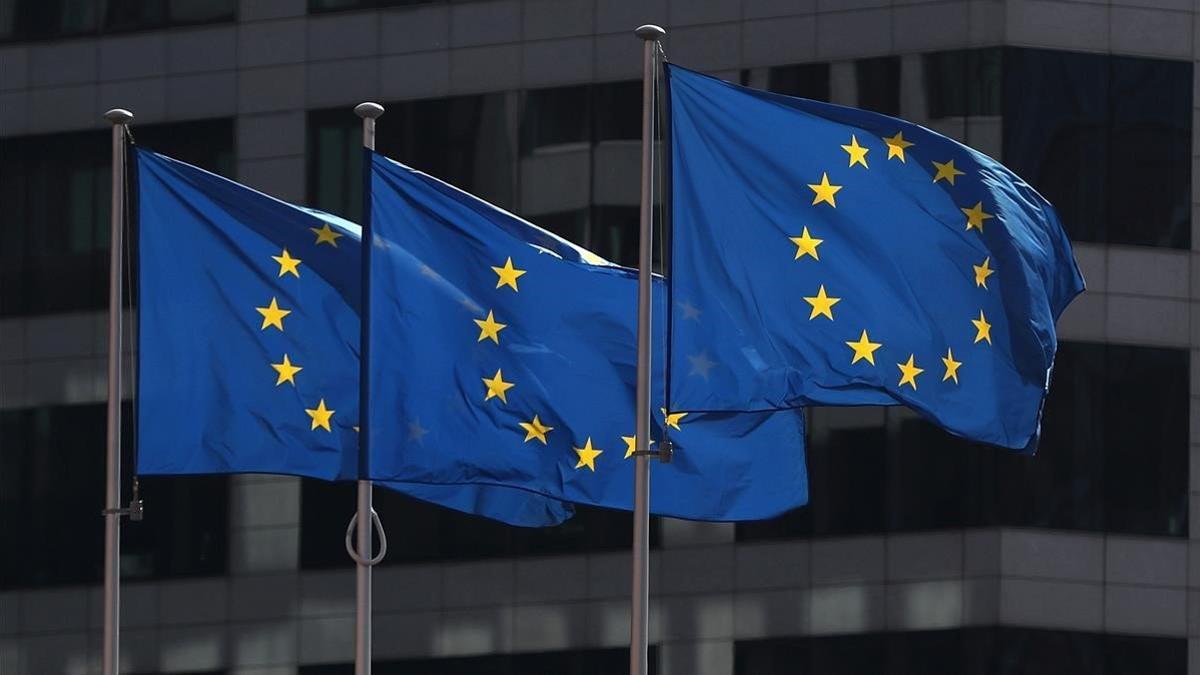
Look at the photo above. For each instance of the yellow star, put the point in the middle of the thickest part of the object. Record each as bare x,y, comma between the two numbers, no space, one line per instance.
951,366
536,429
982,272
858,154
672,419
320,416
287,264
508,275
272,315
946,171
976,216
824,191
287,371
325,235
909,372
587,455
822,305
864,349
497,387
896,145
489,328
983,327
806,245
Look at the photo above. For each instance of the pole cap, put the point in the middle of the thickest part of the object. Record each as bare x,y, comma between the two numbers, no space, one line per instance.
118,116
368,110
650,32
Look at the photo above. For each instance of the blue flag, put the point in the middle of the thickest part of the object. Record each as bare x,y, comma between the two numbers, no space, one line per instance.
501,354
828,255
248,332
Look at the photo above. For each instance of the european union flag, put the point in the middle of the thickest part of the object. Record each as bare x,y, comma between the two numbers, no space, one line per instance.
828,255
248,333
501,354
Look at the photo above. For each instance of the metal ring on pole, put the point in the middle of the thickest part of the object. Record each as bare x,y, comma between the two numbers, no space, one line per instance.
350,548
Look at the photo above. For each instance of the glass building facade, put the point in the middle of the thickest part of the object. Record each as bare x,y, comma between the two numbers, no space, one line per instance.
918,552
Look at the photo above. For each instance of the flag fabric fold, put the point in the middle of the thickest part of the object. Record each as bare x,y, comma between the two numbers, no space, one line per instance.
248,337
823,255
501,354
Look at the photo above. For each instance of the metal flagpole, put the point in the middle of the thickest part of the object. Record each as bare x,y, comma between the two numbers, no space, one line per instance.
638,627
365,517
112,499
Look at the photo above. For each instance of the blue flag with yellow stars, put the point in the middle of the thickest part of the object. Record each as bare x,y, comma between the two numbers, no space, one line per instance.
827,255
248,336
501,354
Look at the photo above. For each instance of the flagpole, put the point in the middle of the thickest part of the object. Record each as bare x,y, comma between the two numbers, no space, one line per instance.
112,499
366,517
640,600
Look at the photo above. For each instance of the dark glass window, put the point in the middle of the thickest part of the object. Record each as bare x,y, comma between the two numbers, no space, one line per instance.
433,533
877,82
972,651
52,483
578,662
1113,457
51,19
462,140
56,194
563,162
317,6
963,83
1106,139
807,80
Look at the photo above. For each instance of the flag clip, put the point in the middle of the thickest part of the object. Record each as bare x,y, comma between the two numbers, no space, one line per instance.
136,509
664,453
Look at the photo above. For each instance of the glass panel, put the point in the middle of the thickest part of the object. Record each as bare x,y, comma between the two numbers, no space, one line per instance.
135,14
576,662
808,80
202,11
433,533
972,651
553,117
1149,154
878,83
53,19
52,472
57,190
1055,126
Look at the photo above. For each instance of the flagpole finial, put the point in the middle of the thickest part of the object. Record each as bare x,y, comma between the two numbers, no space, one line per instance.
368,110
650,32
118,116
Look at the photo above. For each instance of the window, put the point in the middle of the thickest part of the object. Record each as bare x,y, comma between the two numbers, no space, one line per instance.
567,161
580,662
52,19
972,651
56,191
807,80
52,480
316,6
1105,139
433,533
462,140
1113,457
877,82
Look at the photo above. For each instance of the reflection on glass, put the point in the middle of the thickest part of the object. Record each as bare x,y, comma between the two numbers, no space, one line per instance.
970,651
433,533
51,471
56,192
1113,457
1106,139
